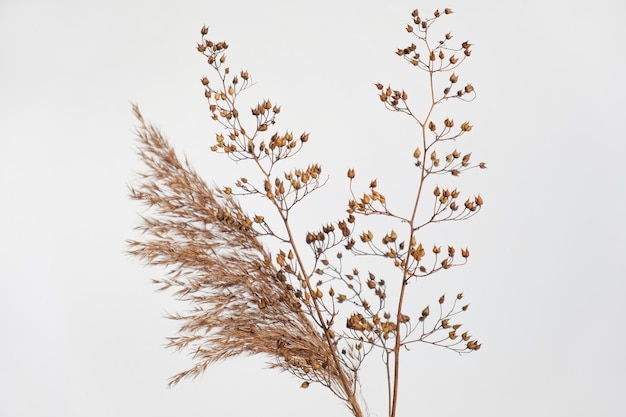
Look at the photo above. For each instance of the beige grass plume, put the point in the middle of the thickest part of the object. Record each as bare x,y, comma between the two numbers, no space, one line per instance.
216,264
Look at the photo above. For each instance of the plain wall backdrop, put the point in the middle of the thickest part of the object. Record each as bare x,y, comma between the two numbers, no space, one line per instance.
82,328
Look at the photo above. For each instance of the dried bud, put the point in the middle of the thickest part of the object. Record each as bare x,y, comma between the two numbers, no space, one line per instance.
454,78
305,384
417,153
473,345
469,88
379,86
448,10
409,28
442,299
465,253
466,127
204,30
351,173
373,183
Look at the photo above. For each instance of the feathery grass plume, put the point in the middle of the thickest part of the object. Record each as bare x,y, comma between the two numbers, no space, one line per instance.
217,264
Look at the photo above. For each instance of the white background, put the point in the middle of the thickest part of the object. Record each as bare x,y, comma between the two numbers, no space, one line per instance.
82,329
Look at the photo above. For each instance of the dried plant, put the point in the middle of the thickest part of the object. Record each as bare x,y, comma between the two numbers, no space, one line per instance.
308,313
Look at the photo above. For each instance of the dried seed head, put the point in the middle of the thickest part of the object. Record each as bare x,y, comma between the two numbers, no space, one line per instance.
466,127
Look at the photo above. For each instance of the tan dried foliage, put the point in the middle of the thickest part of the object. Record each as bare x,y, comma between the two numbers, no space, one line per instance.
320,320
216,262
